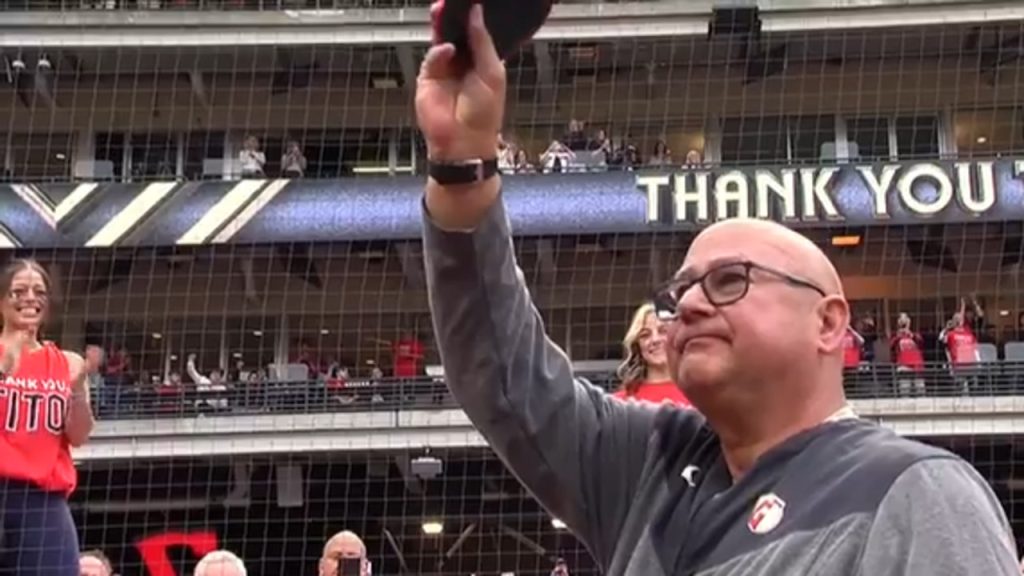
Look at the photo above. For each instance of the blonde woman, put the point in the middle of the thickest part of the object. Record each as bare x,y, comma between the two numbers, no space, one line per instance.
644,373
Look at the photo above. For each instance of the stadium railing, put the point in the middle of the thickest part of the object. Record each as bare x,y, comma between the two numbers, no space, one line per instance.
215,5
427,393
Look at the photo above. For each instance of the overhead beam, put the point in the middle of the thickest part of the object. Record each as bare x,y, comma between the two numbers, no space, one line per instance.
545,261
407,64
397,550
456,545
412,483
195,79
524,540
545,71
411,259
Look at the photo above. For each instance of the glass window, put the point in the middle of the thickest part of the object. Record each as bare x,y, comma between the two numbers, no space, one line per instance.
989,132
917,137
154,156
868,139
42,156
808,135
201,146
109,155
754,140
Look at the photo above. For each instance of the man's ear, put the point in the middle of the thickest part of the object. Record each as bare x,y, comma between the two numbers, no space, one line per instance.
833,320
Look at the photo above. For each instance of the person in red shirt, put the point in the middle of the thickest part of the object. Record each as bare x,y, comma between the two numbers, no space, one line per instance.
853,347
644,373
44,404
961,349
408,356
907,346
961,343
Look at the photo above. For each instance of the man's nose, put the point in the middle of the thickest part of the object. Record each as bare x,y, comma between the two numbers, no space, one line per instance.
693,304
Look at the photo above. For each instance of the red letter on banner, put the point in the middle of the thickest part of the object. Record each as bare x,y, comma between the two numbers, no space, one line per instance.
153,549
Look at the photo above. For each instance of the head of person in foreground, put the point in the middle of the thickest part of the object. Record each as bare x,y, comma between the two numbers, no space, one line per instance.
755,322
344,555
220,563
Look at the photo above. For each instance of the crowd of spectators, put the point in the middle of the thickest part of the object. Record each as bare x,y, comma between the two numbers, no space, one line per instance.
581,150
122,390
965,346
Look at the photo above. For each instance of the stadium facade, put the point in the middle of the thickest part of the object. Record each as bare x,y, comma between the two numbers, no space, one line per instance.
891,133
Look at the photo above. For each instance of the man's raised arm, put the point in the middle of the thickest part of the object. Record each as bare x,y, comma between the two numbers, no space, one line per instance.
577,450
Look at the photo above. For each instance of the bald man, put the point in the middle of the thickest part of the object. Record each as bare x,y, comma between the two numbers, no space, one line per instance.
775,476
344,555
220,563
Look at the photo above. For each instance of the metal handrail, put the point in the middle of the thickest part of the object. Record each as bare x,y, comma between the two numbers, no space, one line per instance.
127,401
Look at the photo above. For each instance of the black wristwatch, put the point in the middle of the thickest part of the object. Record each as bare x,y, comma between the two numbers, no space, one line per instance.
463,172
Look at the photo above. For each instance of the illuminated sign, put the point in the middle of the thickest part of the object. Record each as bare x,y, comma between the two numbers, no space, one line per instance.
817,194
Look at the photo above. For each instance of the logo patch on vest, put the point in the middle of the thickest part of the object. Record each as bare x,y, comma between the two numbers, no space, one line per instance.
767,514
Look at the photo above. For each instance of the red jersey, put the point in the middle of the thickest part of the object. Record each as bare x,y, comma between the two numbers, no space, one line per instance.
906,346
408,354
658,393
851,350
962,345
33,403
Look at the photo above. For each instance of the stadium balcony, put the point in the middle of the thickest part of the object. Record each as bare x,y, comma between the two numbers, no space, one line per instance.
871,381
207,5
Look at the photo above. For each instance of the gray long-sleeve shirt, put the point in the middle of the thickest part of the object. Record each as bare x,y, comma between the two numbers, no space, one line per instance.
646,489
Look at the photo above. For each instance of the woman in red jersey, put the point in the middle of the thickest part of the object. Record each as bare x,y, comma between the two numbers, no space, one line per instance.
44,408
644,373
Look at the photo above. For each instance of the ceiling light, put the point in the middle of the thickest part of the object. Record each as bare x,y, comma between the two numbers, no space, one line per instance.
236,355
846,240
257,333
981,140
1004,312
558,524
157,335
324,332
60,156
433,528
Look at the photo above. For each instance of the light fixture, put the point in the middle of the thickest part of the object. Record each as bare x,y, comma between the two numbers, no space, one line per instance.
157,335
371,362
257,333
60,156
558,524
1004,312
236,355
174,357
981,140
433,528
324,332
846,241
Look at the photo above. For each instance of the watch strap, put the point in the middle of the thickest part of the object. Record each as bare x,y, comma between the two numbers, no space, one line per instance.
464,172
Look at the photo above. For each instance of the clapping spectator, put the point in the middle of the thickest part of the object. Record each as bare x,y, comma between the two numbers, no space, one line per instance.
661,155
522,163
251,159
557,157
575,139
293,163
907,349
601,146
693,159
506,155
212,386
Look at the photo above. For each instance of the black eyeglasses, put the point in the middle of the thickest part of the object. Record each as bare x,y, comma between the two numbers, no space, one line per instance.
722,285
